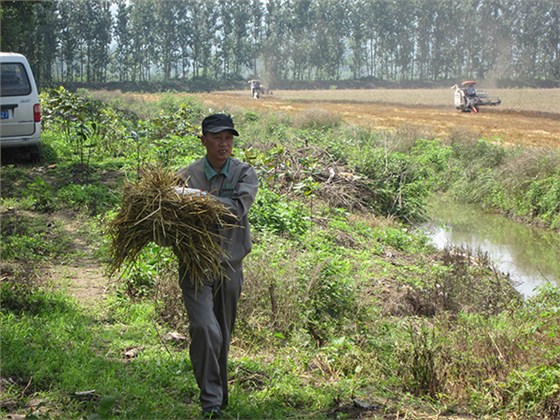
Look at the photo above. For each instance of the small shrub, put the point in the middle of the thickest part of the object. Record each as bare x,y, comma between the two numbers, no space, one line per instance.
400,188
140,278
544,196
95,198
251,116
43,195
329,298
479,153
182,122
471,283
418,361
534,392
274,213
271,293
431,159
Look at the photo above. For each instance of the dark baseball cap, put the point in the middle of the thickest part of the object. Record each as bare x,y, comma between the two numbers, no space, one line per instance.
217,123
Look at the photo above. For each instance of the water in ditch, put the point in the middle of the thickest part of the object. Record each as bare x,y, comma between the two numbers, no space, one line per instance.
530,255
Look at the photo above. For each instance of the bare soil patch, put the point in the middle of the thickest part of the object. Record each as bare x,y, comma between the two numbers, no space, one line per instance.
528,117
84,276
84,279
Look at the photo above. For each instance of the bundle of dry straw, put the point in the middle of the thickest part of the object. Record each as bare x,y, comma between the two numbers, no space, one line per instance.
152,211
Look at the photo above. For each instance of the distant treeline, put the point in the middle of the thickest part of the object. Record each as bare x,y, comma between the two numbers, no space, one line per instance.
206,43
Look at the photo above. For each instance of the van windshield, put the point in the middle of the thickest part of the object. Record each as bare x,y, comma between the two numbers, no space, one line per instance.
14,80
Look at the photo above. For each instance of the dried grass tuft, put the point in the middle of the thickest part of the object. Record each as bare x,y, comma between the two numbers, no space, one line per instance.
313,118
152,211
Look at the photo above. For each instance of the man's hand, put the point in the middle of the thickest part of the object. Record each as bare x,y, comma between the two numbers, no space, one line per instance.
190,191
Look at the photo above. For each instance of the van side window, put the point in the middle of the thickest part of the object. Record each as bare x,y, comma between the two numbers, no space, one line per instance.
14,80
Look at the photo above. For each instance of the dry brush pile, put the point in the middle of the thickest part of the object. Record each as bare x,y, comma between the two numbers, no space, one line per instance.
312,170
152,210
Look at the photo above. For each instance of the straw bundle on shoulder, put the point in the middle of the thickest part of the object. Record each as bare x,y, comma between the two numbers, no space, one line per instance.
153,211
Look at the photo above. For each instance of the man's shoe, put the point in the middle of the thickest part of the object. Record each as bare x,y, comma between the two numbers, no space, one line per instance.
211,412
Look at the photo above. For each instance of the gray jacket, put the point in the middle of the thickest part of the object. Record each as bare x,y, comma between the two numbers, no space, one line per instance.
237,191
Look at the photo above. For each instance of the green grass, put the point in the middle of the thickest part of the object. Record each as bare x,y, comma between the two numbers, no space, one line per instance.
74,360
64,351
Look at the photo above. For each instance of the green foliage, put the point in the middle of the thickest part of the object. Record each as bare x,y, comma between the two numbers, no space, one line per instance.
474,174
25,298
546,300
476,154
15,180
535,392
139,279
521,183
431,159
52,34
544,198
93,130
65,351
55,191
116,131
348,142
94,198
276,129
274,213
32,239
89,127
173,151
330,300
167,104
518,372
250,116
42,194
178,123
418,358
399,185
402,238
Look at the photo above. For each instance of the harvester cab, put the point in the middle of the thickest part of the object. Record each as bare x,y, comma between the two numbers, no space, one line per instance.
468,99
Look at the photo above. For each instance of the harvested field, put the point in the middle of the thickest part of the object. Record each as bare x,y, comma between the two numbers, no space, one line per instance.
528,117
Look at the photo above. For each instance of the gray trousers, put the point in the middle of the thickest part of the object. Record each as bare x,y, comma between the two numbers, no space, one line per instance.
212,310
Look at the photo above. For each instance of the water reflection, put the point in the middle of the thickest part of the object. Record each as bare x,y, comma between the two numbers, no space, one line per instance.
530,255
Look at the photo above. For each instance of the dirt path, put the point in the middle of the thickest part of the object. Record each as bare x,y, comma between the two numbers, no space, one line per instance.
505,125
84,277
84,280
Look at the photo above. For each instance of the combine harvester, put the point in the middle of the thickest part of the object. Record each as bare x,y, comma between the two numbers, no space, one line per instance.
258,89
468,99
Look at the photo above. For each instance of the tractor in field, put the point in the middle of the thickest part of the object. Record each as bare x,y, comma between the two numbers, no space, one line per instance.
256,88
468,99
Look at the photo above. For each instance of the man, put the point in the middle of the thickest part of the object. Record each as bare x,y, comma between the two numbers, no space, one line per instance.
212,307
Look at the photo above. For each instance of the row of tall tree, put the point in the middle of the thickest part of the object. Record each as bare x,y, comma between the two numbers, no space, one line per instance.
279,40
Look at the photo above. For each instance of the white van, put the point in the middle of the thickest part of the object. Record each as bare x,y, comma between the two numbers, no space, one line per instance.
20,113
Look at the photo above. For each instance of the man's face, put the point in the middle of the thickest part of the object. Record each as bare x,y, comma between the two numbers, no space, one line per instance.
219,147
